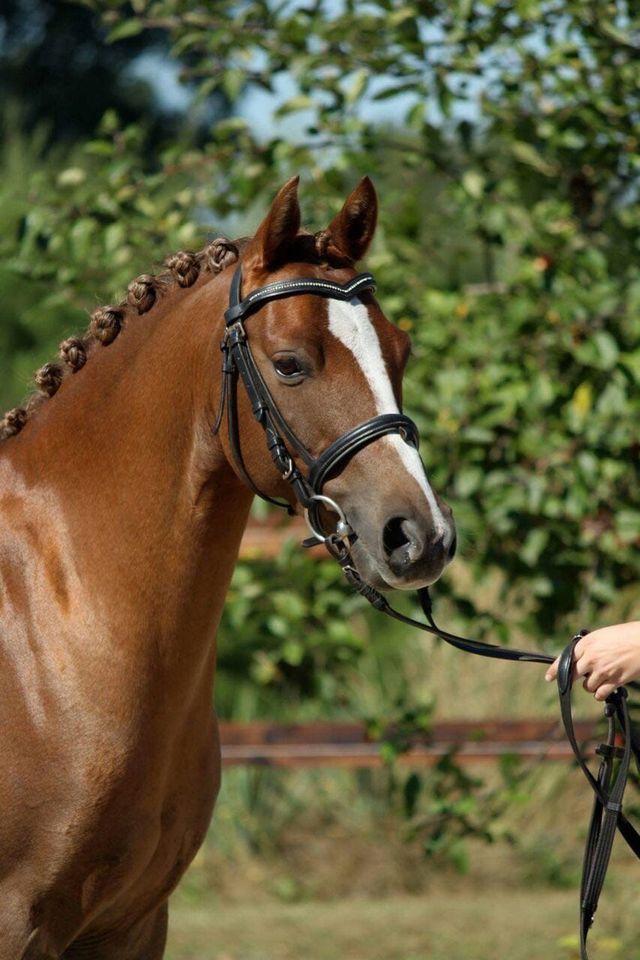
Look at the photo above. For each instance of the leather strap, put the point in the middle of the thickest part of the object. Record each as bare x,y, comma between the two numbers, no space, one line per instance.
335,456
240,309
466,644
608,787
262,401
234,442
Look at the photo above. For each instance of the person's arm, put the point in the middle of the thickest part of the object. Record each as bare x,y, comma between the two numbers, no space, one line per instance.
606,658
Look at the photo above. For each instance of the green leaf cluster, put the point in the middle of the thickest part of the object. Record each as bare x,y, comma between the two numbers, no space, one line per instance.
296,642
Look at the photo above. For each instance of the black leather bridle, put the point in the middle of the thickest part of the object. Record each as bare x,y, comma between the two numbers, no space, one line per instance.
239,362
609,783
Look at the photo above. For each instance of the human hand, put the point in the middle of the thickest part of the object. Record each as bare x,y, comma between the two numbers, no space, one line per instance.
606,658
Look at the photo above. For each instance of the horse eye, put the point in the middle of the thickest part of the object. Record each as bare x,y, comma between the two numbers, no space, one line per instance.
288,367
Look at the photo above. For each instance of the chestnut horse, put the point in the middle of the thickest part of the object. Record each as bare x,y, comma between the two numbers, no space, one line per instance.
122,514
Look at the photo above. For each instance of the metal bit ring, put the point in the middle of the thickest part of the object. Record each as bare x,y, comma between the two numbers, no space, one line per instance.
342,531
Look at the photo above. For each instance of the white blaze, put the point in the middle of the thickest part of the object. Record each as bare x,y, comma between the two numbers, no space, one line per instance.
350,323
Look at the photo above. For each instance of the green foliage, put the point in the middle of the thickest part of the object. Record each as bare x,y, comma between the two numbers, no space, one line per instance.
556,84
507,163
295,642
507,247
536,435
446,805
546,865
78,225
56,67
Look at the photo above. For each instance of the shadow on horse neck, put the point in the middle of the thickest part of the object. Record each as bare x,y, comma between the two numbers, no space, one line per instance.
122,515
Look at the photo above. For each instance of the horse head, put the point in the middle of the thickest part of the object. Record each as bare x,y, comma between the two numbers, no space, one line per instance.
324,366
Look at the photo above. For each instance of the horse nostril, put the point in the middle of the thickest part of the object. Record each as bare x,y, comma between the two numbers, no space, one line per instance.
412,544
393,535
453,547
403,541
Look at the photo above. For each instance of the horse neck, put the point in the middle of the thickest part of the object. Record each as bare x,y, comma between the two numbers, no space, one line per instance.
126,479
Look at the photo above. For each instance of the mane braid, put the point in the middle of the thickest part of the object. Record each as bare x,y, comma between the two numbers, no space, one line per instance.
106,323
183,269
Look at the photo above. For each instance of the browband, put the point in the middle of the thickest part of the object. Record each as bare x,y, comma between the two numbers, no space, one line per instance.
239,309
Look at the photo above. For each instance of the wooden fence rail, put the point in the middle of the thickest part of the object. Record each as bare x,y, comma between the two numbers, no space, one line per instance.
349,744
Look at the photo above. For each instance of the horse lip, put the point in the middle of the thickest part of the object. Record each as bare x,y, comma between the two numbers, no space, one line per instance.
381,577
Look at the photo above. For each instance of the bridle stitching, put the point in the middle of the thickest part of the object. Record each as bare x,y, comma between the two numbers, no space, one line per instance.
238,308
296,285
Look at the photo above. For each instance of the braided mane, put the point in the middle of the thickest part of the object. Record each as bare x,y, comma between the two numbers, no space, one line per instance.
183,269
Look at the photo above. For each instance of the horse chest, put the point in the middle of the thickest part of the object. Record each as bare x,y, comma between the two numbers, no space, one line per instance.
110,833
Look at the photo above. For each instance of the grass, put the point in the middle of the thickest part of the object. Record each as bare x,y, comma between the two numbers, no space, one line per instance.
457,922
348,888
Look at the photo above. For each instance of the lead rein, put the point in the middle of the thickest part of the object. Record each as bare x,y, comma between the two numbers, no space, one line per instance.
607,815
608,790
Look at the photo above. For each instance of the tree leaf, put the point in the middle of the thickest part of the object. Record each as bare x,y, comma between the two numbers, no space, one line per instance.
125,29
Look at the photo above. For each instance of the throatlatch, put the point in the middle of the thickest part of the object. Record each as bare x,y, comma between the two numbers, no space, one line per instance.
608,785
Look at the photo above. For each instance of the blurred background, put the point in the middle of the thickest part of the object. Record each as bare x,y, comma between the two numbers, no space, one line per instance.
503,139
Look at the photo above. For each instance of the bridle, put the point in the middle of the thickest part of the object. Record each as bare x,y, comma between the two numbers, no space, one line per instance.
239,362
609,783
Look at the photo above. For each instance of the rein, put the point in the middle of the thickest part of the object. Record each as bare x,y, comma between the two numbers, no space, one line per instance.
608,785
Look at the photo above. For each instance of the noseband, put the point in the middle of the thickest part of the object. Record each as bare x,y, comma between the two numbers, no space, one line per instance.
609,784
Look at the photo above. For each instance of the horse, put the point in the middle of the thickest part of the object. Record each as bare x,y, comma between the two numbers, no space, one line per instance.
121,516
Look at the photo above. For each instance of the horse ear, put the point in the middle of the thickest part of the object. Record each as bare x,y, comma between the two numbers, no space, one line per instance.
352,230
279,227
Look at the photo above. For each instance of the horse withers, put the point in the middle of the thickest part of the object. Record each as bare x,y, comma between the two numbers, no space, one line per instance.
121,516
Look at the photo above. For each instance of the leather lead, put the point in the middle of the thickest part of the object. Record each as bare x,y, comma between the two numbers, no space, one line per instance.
609,785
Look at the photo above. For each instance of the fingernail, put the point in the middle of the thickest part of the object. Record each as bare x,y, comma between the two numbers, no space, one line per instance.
547,678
